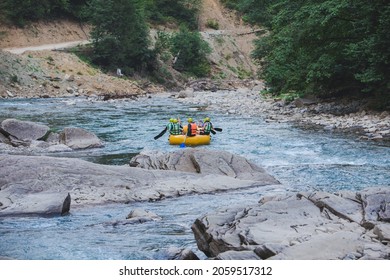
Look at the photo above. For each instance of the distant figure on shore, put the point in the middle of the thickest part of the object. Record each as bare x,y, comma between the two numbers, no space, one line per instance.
119,72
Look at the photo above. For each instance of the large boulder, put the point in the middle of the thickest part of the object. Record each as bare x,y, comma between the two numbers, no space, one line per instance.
204,161
36,137
23,177
78,138
299,226
23,130
50,203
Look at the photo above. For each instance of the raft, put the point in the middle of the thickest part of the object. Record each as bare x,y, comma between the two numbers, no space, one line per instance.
189,141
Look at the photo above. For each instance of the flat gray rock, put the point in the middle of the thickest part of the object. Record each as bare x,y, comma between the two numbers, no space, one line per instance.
203,161
38,177
315,225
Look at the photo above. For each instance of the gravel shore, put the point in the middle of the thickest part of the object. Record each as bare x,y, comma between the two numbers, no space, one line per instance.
330,116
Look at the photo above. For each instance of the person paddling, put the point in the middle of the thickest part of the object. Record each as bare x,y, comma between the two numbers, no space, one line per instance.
167,127
175,128
207,127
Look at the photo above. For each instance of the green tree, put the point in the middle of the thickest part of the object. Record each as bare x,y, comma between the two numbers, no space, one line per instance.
254,11
191,52
327,47
120,34
184,12
21,12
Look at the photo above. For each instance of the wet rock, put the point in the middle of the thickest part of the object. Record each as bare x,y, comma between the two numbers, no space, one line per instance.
141,216
66,205
23,130
78,138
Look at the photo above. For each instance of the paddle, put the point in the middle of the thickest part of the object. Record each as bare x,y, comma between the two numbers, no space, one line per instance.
213,131
161,134
183,145
218,129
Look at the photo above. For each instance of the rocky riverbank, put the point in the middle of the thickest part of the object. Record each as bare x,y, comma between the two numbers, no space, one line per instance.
330,116
37,75
313,225
294,225
286,225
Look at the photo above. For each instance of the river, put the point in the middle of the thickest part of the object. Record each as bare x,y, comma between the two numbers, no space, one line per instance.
299,159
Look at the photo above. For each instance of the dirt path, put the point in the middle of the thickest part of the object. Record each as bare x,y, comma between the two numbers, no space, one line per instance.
57,46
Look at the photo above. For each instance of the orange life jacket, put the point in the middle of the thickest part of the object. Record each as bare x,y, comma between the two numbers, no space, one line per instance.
193,128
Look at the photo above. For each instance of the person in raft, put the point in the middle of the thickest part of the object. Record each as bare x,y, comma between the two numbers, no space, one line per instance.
174,127
207,127
192,128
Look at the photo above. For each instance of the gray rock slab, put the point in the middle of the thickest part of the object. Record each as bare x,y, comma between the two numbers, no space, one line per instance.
238,255
203,161
376,204
293,226
89,183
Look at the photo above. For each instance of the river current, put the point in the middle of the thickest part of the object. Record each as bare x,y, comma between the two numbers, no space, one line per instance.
299,159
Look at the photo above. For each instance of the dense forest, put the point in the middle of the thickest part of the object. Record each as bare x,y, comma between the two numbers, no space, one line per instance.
321,47
325,47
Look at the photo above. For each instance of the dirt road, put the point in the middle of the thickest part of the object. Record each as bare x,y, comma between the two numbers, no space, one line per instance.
50,47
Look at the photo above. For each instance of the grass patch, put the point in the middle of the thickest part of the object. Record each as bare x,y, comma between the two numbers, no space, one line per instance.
213,24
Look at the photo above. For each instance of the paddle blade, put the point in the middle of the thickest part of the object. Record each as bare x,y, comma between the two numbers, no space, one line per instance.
218,129
182,145
161,134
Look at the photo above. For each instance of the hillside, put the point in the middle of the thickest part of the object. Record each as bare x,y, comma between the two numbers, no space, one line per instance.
56,73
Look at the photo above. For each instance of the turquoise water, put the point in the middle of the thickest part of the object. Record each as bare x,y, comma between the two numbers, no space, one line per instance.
297,158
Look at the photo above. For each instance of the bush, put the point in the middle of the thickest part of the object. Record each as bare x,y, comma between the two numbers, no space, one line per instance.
212,23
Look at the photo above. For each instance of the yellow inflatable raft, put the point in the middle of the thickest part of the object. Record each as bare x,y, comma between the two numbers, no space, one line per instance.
189,141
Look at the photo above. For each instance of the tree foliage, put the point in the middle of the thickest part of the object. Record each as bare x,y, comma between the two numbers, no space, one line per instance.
21,12
120,34
184,12
323,46
191,52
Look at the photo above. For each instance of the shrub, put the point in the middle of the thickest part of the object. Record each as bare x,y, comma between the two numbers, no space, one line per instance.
212,23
